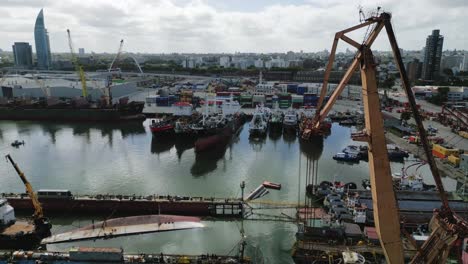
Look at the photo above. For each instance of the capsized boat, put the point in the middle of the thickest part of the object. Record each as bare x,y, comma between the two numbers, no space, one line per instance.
124,226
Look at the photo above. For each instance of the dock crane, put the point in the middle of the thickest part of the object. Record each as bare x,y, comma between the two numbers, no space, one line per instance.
41,223
446,226
117,56
78,67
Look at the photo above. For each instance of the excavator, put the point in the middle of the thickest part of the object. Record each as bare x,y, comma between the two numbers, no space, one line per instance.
42,225
446,226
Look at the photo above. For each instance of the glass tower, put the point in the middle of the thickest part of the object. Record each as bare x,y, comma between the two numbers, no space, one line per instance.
42,43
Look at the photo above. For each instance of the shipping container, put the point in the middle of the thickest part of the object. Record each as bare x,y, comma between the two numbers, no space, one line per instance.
454,160
301,90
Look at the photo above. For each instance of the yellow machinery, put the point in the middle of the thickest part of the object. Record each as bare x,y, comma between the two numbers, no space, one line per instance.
78,67
446,226
41,223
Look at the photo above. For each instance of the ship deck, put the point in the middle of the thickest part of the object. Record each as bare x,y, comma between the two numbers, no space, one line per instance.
18,227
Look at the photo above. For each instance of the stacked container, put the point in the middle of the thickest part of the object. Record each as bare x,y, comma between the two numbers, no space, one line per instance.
297,101
162,101
269,100
258,99
301,89
310,99
186,96
284,100
292,88
246,100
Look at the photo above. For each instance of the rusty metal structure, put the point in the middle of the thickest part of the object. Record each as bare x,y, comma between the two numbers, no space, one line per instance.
446,226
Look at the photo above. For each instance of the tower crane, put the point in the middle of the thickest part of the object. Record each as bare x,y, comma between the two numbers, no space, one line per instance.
78,67
446,225
41,223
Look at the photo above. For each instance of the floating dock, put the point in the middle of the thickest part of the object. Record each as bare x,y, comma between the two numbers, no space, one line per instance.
85,255
132,205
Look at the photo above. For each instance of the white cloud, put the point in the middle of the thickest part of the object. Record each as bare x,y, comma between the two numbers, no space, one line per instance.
201,26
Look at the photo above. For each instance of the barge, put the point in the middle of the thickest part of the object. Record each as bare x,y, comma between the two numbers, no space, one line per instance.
62,201
73,113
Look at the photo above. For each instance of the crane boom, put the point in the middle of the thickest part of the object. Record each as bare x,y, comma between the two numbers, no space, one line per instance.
78,67
38,213
117,56
446,226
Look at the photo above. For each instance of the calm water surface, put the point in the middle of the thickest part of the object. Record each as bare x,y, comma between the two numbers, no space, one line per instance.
126,159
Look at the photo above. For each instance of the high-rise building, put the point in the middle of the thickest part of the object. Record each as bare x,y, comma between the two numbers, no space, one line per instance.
414,69
22,52
432,56
81,51
41,37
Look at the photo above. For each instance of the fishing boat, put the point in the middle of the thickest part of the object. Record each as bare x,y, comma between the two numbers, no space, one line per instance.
276,121
341,156
164,127
290,122
259,125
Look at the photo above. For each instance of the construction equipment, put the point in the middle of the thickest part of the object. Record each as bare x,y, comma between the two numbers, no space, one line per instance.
446,226
41,223
117,56
78,67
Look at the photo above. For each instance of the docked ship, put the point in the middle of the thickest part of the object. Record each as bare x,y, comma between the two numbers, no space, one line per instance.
290,123
259,124
78,110
231,122
276,121
20,234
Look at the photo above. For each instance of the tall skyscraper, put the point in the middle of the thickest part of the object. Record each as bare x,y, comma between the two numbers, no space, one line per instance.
432,56
22,52
413,68
41,37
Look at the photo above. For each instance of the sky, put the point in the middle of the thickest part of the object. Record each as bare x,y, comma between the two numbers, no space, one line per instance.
215,26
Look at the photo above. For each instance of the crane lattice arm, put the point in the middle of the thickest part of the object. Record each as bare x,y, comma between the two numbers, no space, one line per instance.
78,67
38,213
446,226
117,56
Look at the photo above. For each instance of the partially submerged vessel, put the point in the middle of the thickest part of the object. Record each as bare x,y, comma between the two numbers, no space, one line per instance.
125,226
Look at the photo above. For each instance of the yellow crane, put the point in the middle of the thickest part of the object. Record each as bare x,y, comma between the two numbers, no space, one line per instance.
446,225
41,223
78,67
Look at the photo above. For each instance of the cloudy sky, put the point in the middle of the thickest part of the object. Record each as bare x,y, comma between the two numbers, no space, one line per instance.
158,26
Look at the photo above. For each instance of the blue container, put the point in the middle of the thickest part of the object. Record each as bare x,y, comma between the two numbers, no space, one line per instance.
301,90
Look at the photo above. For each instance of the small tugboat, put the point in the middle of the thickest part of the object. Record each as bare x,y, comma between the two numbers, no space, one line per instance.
290,123
17,143
349,157
163,127
258,126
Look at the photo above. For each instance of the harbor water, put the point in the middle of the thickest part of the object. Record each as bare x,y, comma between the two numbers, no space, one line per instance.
126,159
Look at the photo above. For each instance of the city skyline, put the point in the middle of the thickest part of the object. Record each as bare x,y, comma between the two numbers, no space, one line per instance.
186,26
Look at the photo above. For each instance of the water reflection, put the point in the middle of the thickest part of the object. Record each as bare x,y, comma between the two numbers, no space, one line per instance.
257,143
160,145
206,162
312,148
274,135
182,144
